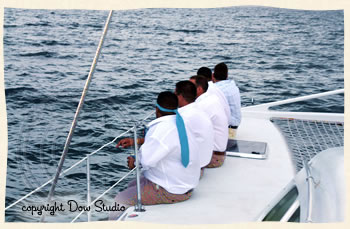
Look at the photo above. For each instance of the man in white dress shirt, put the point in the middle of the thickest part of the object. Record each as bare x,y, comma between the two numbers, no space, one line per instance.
231,92
206,72
213,89
166,179
210,104
196,120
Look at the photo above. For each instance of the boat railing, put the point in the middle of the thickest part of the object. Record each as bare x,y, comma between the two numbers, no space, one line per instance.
87,159
263,110
89,203
266,106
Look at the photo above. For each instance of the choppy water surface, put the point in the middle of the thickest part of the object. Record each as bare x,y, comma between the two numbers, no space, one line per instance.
272,54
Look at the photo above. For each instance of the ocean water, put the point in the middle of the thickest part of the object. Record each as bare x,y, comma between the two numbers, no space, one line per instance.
271,53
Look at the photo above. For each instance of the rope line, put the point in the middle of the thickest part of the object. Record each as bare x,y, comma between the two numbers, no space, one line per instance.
104,193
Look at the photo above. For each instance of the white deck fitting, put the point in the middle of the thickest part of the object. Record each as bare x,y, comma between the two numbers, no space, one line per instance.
236,192
328,189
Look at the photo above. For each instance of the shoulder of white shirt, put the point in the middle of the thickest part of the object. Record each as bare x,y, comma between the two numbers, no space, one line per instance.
166,118
228,81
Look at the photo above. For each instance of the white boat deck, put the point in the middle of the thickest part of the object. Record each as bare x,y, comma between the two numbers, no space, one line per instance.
236,192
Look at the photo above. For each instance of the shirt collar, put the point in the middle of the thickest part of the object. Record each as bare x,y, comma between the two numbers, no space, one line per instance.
226,82
161,119
202,96
186,107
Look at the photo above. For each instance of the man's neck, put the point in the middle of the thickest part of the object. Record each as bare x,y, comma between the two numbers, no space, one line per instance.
184,103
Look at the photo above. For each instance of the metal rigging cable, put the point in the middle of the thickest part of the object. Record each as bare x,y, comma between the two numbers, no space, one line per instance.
75,120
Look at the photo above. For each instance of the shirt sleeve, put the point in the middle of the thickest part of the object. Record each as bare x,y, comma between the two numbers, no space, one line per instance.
152,151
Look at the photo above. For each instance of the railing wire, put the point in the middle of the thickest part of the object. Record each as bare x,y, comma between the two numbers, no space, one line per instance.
104,193
75,164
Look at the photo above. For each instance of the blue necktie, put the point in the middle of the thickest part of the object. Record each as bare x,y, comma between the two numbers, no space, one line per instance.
181,130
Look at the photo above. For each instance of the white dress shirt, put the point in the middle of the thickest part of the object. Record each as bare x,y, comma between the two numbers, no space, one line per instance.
210,104
160,157
198,122
213,89
231,92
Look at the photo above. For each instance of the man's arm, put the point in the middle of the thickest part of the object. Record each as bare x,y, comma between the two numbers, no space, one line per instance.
153,151
127,142
131,162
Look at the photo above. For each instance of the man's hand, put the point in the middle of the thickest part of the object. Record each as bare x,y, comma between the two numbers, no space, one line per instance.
131,162
126,142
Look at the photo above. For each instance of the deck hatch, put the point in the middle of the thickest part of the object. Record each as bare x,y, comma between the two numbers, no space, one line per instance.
246,149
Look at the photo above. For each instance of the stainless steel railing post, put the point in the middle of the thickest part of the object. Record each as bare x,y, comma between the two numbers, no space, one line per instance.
138,207
88,185
309,180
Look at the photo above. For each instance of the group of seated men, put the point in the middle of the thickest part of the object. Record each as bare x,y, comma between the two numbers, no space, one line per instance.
190,133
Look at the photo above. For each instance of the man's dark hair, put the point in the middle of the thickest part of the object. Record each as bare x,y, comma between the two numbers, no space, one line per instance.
168,100
221,71
201,81
206,72
187,89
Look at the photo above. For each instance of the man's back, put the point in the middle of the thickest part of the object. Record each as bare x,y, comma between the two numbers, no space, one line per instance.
211,105
213,89
231,92
161,157
199,124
